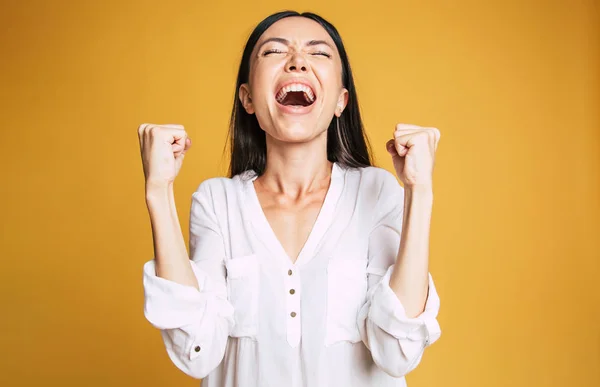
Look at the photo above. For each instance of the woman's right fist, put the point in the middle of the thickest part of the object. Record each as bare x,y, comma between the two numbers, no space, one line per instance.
163,148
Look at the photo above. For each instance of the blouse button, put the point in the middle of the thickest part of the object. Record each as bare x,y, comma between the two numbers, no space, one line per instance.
197,349
293,314
290,272
292,291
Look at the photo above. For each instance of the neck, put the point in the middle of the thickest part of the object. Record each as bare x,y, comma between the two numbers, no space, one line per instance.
296,168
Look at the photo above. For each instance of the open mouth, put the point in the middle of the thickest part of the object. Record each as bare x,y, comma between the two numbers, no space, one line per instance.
296,95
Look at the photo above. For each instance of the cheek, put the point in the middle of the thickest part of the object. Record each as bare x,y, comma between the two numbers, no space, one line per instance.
261,77
330,78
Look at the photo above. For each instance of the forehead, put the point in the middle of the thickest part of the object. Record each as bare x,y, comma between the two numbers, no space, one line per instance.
296,29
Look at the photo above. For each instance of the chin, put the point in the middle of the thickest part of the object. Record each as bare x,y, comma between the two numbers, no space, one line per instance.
294,133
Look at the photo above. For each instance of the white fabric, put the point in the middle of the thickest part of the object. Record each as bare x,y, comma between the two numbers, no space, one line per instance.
349,329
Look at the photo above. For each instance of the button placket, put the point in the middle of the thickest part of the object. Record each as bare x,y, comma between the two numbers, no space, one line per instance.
293,292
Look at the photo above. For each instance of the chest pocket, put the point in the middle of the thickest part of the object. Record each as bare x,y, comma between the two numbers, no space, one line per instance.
242,290
346,294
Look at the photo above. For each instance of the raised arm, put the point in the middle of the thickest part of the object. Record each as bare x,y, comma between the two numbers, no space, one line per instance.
186,299
163,148
413,154
399,319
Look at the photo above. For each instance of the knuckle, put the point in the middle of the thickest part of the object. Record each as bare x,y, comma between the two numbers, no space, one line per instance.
424,137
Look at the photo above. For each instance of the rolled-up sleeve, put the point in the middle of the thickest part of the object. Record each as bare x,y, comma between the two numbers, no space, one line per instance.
396,341
194,324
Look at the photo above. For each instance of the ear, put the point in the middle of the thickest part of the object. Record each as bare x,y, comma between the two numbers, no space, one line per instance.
342,102
245,98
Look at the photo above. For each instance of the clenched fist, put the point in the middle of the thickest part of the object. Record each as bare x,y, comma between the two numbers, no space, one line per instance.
413,153
163,148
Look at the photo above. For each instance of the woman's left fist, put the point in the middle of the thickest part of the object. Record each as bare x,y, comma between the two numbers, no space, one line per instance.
413,153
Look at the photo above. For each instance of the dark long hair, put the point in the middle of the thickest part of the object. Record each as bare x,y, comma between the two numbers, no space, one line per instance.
347,143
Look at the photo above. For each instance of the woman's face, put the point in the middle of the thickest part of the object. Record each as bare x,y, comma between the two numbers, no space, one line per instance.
295,83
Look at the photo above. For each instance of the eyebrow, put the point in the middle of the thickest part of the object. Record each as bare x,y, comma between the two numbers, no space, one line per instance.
287,42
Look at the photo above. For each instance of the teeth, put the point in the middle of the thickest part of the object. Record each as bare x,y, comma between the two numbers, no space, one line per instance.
295,87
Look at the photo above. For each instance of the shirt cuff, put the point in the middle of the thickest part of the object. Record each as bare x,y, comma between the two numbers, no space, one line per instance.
388,313
168,304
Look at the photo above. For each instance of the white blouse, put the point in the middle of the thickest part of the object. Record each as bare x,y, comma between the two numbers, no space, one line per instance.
329,319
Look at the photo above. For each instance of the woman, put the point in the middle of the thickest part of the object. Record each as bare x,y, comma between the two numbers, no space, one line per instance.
291,280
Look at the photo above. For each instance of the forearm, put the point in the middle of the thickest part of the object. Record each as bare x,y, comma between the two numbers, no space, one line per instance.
410,277
170,253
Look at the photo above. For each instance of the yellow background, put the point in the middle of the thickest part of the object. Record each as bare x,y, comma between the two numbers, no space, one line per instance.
514,87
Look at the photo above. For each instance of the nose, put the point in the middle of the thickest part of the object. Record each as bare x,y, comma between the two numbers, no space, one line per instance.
297,63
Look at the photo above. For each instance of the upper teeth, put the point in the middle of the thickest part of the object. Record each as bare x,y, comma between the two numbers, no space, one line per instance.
295,87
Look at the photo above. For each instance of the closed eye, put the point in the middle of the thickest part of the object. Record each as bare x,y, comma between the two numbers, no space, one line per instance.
272,51
323,53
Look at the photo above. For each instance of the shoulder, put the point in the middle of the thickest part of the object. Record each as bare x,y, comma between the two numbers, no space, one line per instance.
213,185
217,186
376,182
381,195
221,194
376,174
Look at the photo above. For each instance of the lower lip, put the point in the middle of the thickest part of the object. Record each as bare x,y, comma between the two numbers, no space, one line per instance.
298,110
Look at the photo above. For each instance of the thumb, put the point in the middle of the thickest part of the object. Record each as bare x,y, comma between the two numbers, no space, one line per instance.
394,149
391,147
181,152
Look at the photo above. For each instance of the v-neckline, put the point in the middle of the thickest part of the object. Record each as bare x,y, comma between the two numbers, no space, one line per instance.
263,228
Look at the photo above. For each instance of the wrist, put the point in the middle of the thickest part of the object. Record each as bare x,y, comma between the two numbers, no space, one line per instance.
158,192
424,190
418,200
